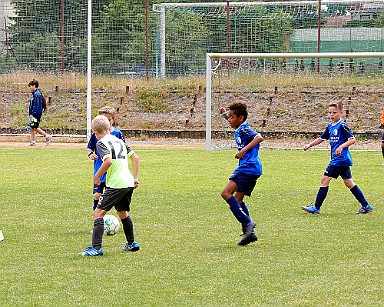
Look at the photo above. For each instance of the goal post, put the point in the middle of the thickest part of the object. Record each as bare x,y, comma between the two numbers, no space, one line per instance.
263,66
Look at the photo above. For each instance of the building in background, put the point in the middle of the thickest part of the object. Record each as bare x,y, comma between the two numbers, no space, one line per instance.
6,11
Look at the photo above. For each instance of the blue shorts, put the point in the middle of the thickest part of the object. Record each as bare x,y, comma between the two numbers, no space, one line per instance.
336,171
382,137
245,182
99,188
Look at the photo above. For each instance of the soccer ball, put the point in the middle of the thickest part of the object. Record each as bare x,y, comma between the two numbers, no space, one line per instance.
111,225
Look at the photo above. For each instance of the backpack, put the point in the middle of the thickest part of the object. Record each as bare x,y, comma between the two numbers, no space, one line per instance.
44,102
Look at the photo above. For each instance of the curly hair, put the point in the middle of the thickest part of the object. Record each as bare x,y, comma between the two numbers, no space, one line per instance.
239,107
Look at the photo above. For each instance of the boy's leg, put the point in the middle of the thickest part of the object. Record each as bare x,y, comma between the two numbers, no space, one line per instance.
96,196
97,192
320,197
127,226
131,245
359,195
240,198
247,224
245,208
33,136
97,235
98,228
47,136
323,191
41,131
355,190
123,209
234,206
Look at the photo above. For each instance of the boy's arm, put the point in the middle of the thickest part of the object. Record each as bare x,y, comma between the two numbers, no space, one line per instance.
257,140
313,143
103,169
348,143
135,168
91,148
224,112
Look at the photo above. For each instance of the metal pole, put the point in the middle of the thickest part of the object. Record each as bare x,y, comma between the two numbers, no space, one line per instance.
208,103
62,37
89,71
162,42
318,34
228,37
146,42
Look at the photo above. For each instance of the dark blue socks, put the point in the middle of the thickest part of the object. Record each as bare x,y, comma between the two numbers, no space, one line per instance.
95,202
245,208
359,196
321,195
238,211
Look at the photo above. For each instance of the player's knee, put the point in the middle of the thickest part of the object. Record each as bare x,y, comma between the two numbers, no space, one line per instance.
98,213
225,194
349,183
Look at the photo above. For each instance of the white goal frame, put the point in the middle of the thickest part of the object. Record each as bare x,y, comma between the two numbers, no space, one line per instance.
210,56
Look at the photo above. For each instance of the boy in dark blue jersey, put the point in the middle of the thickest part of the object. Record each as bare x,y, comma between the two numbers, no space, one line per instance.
340,138
35,113
93,154
243,180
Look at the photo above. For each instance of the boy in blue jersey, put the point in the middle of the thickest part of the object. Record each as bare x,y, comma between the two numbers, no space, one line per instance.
93,154
243,180
35,113
120,183
340,138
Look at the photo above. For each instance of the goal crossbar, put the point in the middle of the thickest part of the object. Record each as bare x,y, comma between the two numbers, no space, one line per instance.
300,55
210,56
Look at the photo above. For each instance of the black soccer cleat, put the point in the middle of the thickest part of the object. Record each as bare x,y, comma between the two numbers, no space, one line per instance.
249,235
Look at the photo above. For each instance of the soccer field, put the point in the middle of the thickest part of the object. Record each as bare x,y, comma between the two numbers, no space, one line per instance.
187,234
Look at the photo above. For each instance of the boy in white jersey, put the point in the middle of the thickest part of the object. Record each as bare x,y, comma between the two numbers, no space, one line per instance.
340,138
243,180
93,154
120,183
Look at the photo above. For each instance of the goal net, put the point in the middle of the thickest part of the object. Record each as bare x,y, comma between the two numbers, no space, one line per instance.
187,31
288,93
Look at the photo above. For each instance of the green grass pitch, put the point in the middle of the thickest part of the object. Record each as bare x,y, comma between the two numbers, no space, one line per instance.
188,236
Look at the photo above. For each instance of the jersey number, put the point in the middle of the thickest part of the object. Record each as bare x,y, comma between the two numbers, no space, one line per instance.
120,155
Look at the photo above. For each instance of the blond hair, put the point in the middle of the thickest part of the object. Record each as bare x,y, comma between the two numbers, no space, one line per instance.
101,124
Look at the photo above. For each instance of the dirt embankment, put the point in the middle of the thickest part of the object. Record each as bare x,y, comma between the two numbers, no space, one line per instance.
271,109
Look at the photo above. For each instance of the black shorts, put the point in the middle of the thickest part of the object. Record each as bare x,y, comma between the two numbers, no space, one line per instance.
336,171
118,198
